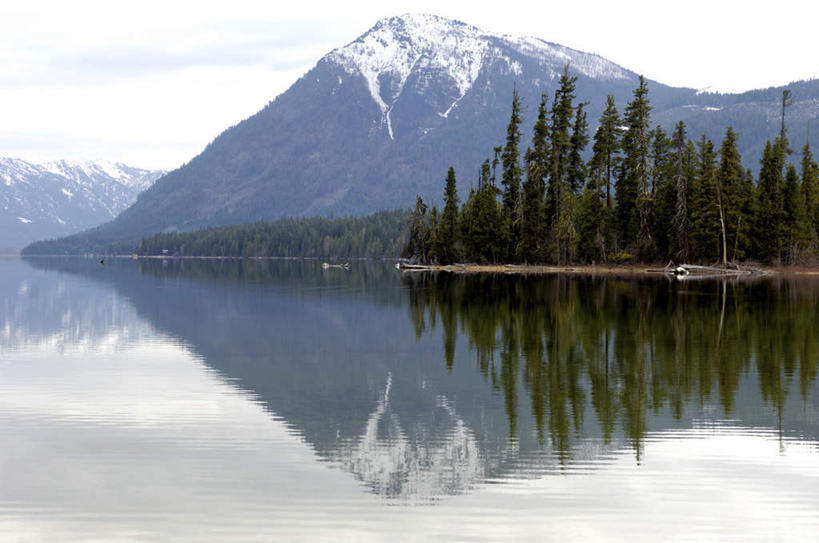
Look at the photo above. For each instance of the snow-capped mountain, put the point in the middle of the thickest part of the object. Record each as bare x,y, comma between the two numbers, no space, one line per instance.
380,120
59,198
396,48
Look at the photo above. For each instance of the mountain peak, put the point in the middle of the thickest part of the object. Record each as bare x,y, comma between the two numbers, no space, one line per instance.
396,47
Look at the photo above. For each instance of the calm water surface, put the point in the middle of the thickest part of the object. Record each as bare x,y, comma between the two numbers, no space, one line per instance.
207,400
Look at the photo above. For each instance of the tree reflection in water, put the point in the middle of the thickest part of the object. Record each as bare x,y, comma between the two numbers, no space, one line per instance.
634,346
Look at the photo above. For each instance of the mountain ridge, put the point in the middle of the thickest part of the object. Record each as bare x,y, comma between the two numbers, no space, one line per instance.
60,197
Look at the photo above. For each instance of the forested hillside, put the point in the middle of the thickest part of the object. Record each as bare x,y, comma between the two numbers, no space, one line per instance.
379,235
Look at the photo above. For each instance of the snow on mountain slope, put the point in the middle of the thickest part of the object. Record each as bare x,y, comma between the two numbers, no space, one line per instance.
398,46
61,197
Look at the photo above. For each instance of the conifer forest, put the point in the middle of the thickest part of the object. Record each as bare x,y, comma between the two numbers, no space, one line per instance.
643,196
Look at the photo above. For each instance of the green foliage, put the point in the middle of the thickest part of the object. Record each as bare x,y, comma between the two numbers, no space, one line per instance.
633,200
606,147
735,197
592,218
810,189
620,257
673,200
446,233
533,227
705,231
511,180
769,227
382,234
797,229
419,237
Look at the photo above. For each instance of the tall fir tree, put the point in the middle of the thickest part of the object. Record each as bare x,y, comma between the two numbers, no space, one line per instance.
681,161
769,228
434,231
633,197
533,232
446,238
732,198
576,173
511,179
417,247
810,190
660,145
797,230
559,197
482,221
591,222
606,147
705,231
662,188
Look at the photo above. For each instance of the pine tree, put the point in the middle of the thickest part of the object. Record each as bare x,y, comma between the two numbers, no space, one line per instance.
660,145
797,230
769,226
732,195
511,178
559,197
591,220
482,221
419,232
537,163
433,245
606,147
634,200
662,189
810,190
681,160
446,238
705,231
576,173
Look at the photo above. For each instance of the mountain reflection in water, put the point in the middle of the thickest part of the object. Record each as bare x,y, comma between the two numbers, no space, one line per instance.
424,386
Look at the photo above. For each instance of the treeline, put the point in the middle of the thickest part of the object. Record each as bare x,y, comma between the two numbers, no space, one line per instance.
374,236
644,195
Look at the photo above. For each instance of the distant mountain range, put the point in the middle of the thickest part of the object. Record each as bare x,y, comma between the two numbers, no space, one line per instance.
62,197
380,120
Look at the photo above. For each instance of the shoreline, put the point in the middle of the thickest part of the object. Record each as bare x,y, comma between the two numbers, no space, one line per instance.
598,269
520,269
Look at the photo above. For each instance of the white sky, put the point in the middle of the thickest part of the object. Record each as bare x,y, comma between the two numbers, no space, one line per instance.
150,83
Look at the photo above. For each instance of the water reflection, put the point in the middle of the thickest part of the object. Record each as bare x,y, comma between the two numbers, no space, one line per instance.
629,348
491,379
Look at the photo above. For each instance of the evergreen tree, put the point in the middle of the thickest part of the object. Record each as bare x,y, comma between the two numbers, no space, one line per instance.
797,230
660,145
705,231
446,238
591,221
580,138
680,163
434,244
537,164
511,178
482,221
732,198
633,197
419,232
810,190
606,147
662,189
769,227
559,196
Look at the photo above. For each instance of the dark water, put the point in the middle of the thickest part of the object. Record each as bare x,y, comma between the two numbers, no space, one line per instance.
224,400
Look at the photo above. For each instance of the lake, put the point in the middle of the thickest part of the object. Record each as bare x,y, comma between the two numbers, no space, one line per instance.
167,400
